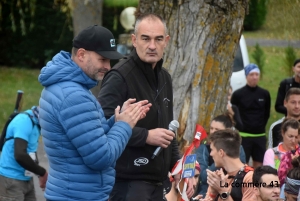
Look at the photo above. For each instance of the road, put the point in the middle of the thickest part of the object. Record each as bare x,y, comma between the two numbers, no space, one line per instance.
271,42
44,163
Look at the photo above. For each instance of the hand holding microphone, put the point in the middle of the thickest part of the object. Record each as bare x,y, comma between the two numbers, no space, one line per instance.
162,137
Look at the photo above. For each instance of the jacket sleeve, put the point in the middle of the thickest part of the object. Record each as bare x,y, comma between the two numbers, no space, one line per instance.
202,158
234,99
271,134
279,107
86,127
175,153
242,154
268,107
113,92
24,160
237,118
269,158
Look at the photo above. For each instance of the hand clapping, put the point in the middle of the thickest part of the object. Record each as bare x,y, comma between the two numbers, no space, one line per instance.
132,112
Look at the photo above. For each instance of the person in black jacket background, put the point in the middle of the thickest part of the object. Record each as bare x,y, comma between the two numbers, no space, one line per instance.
285,85
292,105
254,105
141,76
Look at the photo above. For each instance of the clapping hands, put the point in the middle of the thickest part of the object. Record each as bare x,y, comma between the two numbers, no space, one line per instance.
132,112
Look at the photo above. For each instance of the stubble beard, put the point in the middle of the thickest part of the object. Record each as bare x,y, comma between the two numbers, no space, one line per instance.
295,116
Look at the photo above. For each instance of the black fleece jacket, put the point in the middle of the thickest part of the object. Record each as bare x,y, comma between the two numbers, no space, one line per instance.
133,78
254,105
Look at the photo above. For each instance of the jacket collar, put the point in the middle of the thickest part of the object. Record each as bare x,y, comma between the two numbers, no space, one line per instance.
145,67
152,75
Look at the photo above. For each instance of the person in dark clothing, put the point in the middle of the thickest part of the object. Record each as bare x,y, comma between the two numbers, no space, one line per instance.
285,85
141,76
254,104
292,105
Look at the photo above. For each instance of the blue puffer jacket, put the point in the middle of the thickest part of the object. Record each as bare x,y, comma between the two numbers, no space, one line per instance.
81,145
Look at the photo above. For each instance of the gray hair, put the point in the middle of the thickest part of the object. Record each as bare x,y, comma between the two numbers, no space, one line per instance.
149,15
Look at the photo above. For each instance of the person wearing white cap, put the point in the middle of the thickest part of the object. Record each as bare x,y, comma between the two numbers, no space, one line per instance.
254,105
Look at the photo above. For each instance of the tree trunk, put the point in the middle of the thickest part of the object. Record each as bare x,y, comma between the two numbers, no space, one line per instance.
199,56
86,13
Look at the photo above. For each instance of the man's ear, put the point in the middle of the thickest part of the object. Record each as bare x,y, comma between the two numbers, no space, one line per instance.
80,55
222,152
133,40
284,103
167,39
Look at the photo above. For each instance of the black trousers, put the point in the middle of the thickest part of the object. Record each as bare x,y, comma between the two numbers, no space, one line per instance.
136,191
255,147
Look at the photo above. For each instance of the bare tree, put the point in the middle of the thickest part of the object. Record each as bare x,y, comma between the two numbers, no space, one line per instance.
199,57
85,13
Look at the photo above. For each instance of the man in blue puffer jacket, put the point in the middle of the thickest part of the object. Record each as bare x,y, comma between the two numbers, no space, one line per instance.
81,145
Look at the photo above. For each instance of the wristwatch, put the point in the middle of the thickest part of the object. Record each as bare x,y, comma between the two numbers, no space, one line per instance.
224,195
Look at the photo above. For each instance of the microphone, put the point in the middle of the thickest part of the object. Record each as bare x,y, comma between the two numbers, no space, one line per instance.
173,126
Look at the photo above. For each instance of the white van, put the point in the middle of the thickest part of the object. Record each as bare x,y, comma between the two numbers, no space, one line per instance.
241,59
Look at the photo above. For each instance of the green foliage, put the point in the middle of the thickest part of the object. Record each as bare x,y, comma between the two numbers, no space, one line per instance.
290,57
257,15
111,19
121,3
12,80
282,21
258,56
36,35
24,8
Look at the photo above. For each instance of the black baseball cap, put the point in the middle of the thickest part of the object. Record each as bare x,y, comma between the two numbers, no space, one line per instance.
98,39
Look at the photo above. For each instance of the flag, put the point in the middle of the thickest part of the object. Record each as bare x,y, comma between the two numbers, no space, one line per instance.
200,134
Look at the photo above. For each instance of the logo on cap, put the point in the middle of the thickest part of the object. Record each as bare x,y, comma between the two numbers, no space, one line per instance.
112,43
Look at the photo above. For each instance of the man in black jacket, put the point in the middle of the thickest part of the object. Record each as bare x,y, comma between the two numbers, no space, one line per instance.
285,85
254,105
141,76
292,105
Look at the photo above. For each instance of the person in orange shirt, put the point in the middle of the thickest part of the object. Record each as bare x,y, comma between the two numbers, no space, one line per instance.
233,182
266,175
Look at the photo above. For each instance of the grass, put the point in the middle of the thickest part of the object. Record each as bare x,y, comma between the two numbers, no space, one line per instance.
282,21
12,80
